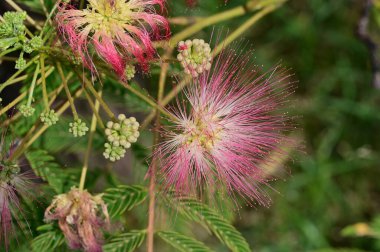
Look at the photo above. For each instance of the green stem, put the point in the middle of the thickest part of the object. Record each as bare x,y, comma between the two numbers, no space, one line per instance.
89,145
220,17
9,51
25,144
23,94
104,105
148,100
153,170
43,78
31,90
9,81
67,90
94,111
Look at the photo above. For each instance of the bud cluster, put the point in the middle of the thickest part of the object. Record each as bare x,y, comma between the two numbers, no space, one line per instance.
78,128
129,72
120,135
49,117
195,56
13,34
26,110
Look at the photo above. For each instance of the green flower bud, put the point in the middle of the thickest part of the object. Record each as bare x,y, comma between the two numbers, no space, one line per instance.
36,42
130,72
78,128
49,117
20,63
113,152
124,132
26,110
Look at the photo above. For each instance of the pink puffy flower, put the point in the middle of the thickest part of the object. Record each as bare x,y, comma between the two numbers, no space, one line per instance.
232,128
80,217
13,187
119,31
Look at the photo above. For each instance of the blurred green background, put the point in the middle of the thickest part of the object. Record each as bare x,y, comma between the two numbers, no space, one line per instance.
334,180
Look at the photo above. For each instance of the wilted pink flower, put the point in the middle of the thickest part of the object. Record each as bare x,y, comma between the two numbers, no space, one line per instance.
80,217
234,123
13,186
119,31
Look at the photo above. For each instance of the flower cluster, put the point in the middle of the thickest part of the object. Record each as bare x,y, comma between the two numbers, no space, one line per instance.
120,135
228,134
78,128
12,34
195,56
129,72
119,31
26,110
49,117
81,217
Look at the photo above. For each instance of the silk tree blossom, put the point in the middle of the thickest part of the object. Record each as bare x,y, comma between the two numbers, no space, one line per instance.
233,125
14,186
119,31
80,217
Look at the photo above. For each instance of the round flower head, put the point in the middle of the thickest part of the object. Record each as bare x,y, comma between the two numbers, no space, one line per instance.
49,117
118,30
78,128
232,127
195,56
80,217
26,110
120,136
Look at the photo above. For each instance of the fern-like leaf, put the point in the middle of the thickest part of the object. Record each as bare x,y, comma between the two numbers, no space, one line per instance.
123,198
45,167
183,243
47,242
126,242
209,218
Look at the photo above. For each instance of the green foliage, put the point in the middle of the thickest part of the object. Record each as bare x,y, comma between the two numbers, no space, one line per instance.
48,241
125,242
44,166
182,242
123,198
210,219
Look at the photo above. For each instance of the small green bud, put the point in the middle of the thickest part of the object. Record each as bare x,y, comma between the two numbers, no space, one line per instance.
49,117
26,110
113,152
78,128
36,42
195,56
129,72
27,48
15,21
20,62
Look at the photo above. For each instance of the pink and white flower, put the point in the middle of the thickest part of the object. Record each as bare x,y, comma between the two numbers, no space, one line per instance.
14,186
233,126
81,218
120,31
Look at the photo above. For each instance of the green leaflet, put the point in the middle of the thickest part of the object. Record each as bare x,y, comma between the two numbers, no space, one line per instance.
5,43
209,218
182,242
47,242
45,167
125,242
123,198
